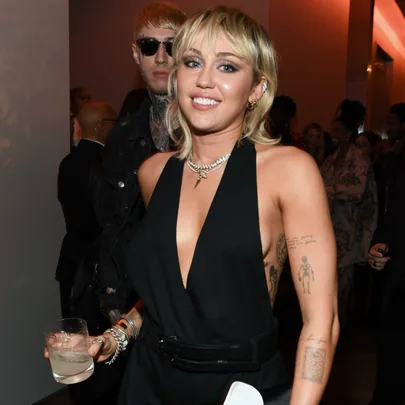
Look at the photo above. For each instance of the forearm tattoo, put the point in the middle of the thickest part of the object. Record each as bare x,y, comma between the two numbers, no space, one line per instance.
306,275
281,250
315,339
314,364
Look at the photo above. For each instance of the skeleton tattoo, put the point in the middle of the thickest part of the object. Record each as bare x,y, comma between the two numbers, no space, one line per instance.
305,275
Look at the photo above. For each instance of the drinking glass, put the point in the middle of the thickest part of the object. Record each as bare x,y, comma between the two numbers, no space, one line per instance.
68,343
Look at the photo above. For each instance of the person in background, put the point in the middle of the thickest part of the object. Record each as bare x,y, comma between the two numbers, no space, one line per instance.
352,194
353,110
374,139
78,181
96,120
385,256
133,140
319,143
78,97
282,113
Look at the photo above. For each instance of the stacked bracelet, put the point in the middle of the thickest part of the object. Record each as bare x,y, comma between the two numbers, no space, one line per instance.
121,340
131,324
122,331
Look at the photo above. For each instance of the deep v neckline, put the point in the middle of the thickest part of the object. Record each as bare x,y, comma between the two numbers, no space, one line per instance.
206,221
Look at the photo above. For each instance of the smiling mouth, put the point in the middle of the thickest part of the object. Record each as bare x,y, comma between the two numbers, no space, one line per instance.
205,101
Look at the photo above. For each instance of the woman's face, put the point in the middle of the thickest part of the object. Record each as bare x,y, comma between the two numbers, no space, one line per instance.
213,86
339,134
313,137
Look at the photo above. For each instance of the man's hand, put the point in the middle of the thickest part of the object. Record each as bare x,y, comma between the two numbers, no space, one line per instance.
376,258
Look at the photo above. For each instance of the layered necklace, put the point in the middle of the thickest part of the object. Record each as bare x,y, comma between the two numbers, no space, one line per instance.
203,170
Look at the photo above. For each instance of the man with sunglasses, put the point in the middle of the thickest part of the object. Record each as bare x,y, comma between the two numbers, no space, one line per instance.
148,46
134,140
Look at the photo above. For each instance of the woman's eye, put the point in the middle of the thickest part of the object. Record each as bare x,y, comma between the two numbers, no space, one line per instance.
191,63
228,68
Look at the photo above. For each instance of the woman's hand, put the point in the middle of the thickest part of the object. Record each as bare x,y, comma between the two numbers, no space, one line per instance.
102,347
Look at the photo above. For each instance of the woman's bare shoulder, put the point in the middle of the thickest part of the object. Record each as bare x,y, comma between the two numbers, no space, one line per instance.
150,171
289,172
283,157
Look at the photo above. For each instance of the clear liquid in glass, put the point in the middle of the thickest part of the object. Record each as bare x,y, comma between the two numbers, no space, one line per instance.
71,367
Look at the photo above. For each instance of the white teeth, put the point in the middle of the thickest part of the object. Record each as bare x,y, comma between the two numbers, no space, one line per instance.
205,101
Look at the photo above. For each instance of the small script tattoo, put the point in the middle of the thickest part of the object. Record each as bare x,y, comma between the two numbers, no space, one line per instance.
298,241
281,250
314,364
316,340
306,275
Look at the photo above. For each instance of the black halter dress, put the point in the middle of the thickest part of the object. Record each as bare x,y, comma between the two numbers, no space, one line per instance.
225,305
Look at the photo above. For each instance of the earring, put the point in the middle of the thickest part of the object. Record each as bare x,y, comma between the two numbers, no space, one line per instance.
264,87
251,105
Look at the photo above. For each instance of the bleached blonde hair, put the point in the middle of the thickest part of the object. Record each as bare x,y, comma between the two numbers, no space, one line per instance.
159,15
251,42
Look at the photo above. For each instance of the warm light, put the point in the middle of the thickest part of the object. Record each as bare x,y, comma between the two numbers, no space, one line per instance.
369,69
388,31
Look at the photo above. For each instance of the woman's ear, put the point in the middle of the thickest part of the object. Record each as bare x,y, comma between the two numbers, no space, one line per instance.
258,90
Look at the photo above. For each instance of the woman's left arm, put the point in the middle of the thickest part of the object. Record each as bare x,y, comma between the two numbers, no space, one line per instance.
312,253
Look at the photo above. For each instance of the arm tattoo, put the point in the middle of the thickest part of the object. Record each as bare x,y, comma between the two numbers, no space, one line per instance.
314,364
298,241
312,338
273,281
281,250
305,275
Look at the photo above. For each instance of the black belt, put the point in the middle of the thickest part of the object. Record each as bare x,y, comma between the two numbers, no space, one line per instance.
238,357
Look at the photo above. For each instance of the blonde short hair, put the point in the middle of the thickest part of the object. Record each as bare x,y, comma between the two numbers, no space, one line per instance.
252,43
159,15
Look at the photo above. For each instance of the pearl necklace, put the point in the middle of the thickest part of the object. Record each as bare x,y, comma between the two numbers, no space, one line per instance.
204,170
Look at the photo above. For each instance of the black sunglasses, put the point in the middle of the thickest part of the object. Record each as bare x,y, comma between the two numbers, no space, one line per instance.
149,46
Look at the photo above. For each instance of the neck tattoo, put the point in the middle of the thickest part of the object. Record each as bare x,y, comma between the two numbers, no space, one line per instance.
158,129
203,170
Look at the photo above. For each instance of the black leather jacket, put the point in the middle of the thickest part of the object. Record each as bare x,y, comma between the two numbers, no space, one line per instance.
120,207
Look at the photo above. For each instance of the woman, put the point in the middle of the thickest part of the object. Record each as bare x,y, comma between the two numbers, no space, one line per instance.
207,258
318,142
352,194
